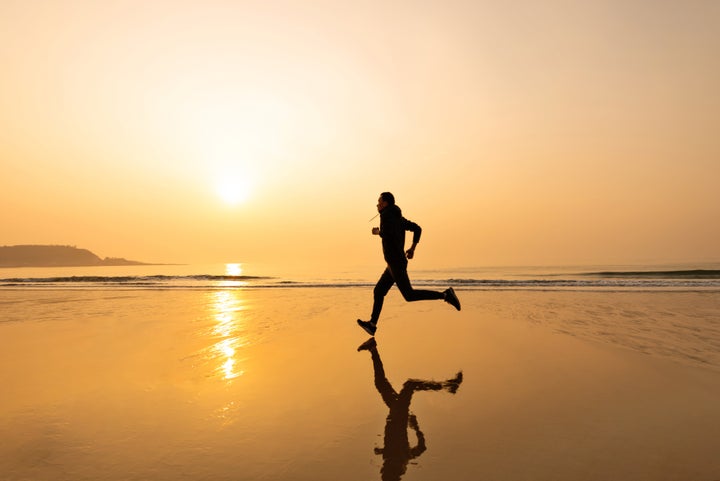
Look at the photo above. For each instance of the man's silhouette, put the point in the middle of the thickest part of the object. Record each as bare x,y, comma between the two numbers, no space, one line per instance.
397,451
392,231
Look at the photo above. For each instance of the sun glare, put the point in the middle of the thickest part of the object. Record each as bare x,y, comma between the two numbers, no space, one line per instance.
233,269
232,191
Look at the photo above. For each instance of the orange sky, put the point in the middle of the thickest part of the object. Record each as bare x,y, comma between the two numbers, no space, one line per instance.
513,132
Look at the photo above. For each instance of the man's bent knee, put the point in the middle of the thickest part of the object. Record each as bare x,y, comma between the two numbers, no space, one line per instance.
408,294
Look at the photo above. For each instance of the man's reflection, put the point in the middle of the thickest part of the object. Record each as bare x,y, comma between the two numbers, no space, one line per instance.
397,451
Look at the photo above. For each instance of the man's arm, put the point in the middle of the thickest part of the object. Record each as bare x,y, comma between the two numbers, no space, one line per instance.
410,253
420,448
417,231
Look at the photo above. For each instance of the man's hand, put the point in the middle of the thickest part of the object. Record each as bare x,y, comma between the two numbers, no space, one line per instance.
376,231
410,253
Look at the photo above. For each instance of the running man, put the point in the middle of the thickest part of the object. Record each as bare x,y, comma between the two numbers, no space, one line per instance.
392,231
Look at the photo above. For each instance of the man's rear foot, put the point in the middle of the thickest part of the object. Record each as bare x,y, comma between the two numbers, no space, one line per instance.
452,385
369,326
451,298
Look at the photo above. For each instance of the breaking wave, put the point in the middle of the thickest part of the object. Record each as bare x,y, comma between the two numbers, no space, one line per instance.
679,279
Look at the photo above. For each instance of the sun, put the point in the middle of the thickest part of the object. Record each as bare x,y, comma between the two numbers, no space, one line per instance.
232,190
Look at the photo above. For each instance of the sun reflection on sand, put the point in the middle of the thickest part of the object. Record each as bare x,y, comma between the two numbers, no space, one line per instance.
227,308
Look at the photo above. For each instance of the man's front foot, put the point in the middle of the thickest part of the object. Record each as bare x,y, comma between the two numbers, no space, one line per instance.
369,326
451,298
368,345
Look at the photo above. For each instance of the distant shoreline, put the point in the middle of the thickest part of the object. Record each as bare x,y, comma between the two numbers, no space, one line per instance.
139,264
59,256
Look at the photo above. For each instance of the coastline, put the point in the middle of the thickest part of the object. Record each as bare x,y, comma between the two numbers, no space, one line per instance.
44,256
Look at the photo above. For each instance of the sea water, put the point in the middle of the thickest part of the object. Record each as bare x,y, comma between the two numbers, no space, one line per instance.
676,276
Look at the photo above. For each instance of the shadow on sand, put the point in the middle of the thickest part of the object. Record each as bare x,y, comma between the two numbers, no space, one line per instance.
397,452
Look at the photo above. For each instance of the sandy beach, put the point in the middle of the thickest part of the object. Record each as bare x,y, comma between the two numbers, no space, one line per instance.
268,384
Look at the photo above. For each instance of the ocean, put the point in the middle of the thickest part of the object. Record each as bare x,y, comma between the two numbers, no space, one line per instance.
225,276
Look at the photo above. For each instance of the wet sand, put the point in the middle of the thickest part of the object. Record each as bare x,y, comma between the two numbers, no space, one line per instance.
270,385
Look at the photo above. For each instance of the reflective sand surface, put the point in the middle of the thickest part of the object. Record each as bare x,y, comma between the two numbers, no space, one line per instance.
269,384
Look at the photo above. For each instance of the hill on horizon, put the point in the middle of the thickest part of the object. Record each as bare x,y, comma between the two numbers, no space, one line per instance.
56,256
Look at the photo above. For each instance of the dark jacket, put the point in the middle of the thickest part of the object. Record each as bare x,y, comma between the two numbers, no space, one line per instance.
392,230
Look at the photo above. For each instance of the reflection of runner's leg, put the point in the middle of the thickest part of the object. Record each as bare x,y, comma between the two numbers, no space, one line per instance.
453,384
381,382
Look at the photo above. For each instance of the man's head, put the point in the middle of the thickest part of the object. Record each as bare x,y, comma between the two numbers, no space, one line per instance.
386,199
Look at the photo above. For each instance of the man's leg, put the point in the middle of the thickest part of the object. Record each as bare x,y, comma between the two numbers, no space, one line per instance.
399,273
381,289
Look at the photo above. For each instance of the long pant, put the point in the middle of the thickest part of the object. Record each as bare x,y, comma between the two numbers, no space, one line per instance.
397,274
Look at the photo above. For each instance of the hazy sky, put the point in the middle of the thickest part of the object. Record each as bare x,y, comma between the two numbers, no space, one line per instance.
513,132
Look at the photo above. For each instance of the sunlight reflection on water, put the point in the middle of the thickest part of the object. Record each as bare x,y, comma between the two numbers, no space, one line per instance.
227,308
233,270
